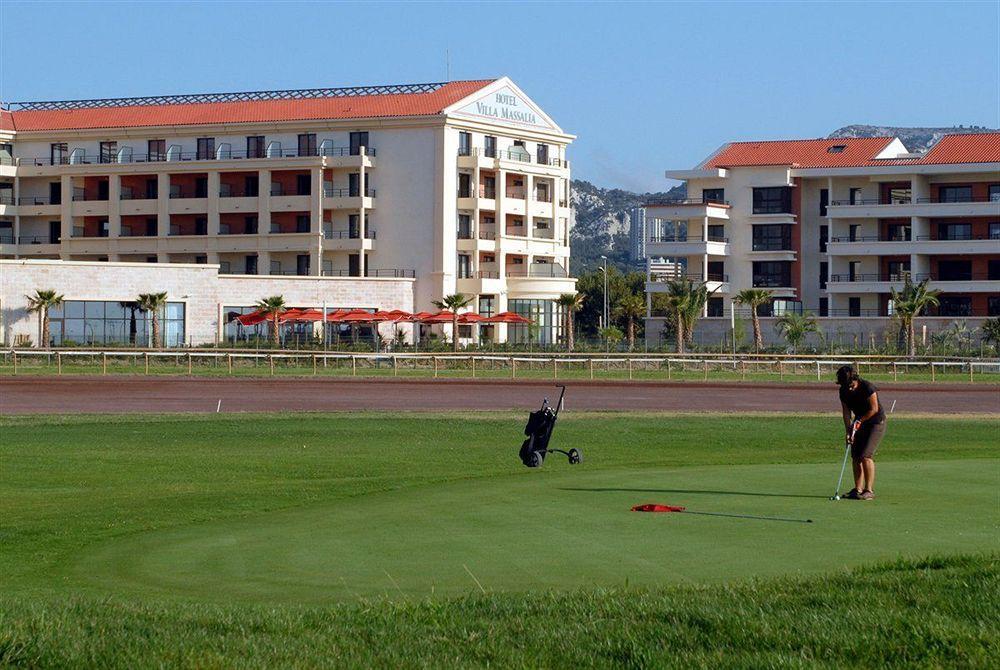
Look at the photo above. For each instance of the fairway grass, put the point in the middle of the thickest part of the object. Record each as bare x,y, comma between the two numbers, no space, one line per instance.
419,539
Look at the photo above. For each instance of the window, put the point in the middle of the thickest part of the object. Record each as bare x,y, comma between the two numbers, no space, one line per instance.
852,270
897,232
994,192
354,226
993,270
772,238
302,265
955,194
772,273
543,154
489,189
896,269
490,146
855,196
824,201
152,189
548,321
358,140
275,268
250,225
151,227
112,322
954,270
303,184
716,271
58,153
307,144
464,227
201,260
108,151
713,195
995,231
302,223
715,307
824,270
486,305
255,146
824,307
836,149
201,187
900,196
824,235
772,200
464,185
464,144
354,184
206,148
955,305
717,233
251,186
993,305
251,264
954,231
464,266
854,306
852,232
156,150
201,226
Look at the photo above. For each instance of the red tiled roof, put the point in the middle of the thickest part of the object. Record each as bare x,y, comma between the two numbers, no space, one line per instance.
400,104
6,120
970,148
800,153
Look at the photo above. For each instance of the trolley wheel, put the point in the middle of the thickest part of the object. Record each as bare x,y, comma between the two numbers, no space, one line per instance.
534,460
575,456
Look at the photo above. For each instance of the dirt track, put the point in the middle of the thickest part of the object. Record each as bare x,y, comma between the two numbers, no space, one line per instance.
26,395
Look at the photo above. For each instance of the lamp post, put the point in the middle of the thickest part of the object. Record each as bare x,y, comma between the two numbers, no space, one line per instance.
604,269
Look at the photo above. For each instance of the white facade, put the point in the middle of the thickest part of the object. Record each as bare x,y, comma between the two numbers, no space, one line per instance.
473,198
637,235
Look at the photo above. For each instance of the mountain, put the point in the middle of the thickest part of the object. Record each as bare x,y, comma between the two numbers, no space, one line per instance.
917,140
601,222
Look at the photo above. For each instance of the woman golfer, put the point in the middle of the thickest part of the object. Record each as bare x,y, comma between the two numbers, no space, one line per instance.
864,432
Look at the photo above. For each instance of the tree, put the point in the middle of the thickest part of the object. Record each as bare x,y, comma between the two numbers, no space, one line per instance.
42,301
991,332
754,298
571,303
631,308
153,303
793,327
685,300
273,307
612,335
453,303
908,304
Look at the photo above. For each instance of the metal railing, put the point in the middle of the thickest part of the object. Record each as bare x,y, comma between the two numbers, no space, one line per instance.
488,193
768,281
330,192
391,273
519,156
35,239
516,192
136,196
665,201
552,270
936,200
684,238
175,156
663,277
7,198
487,234
6,238
185,193
486,274
35,200
348,234
138,232
89,197
918,277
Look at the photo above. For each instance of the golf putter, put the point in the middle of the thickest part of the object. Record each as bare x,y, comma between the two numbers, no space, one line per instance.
843,466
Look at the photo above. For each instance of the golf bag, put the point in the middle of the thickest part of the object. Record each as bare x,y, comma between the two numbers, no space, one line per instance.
539,432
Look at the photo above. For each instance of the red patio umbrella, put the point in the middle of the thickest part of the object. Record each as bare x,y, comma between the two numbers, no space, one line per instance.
444,316
421,317
470,318
398,315
252,318
508,317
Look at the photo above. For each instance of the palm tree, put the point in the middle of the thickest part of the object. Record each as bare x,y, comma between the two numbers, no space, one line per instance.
630,308
453,303
42,302
686,300
794,327
273,307
908,304
754,298
153,303
571,302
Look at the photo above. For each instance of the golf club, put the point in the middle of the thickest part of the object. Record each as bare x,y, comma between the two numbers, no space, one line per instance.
843,466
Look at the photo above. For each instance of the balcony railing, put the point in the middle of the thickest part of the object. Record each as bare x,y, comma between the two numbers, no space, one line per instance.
89,197
136,196
35,239
516,192
7,198
390,273
6,238
684,238
937,200
543,197
487,192
330,192
486,274
487,234
537,270
519,156
140,232
917,277
348,234
183,193
666,201
238,193
771,281
695,277
173,156
771,246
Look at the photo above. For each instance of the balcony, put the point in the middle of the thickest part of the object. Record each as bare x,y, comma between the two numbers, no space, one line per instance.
682,209
347,198
660,282
922,244
522,159
173,155
383,273
515,192
547,270
906,207
969,282
668,246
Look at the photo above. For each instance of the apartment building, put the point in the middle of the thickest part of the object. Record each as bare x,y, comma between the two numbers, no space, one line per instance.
832,225
637,236
458,187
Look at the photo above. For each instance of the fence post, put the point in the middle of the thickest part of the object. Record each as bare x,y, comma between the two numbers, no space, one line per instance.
395,365
932,370
970,372
473,358
669,371
270,360
591,368
743,369
513,367
630,369
189,363
817,371
894,374
354,366
706,369
14,357
314,365
104,363
555,375
58,362
781,369
146,361
229,362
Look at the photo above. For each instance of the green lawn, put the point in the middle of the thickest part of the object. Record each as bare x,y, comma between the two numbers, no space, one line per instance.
420,540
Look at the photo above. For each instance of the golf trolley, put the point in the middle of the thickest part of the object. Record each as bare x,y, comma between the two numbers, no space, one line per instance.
539,432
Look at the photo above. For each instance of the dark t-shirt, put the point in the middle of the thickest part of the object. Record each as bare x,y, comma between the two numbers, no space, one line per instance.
857,400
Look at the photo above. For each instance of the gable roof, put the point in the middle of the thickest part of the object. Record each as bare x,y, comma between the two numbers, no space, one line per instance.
49,116
799,153
968,148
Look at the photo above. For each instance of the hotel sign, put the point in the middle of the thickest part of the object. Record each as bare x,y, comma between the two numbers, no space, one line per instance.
505,105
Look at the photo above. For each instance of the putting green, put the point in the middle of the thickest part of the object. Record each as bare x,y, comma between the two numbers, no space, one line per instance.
559,527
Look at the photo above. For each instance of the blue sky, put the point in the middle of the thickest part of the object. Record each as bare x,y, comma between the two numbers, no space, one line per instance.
645,86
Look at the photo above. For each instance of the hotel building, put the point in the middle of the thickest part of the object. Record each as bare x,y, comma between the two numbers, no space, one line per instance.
458,187
830,226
